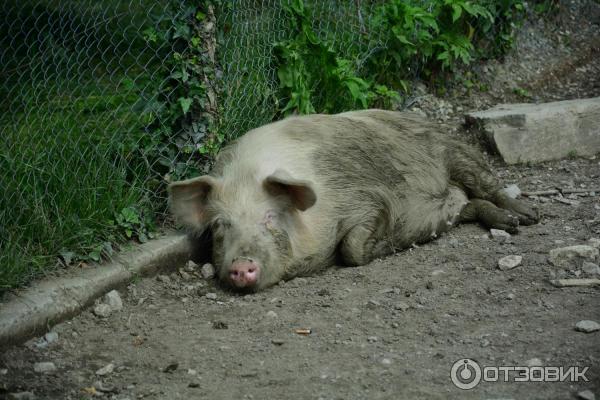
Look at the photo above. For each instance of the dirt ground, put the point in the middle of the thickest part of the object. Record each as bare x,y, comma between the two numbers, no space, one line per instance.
392,329
388,330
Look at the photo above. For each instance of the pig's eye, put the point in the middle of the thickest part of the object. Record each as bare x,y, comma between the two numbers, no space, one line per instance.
221,223
270,216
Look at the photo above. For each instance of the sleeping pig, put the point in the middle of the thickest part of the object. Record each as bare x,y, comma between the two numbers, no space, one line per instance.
293,197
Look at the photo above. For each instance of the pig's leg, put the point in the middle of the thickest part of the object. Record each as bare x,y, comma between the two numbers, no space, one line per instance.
363,243
469,171
478,210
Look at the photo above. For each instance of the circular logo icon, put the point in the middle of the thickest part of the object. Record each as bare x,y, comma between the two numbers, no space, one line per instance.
465,374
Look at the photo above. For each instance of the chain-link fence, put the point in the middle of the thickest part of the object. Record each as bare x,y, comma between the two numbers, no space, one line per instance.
251,29
77,158
73,74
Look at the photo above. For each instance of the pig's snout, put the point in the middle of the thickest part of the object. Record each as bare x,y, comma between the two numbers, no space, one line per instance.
244,273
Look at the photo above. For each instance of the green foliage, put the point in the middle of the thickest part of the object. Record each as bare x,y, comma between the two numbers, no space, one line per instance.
439,35
311,74
182,133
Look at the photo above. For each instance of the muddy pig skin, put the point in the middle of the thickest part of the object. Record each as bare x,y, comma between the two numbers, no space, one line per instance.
293,197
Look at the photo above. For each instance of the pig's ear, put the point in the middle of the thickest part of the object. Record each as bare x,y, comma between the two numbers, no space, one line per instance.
189,199
300,193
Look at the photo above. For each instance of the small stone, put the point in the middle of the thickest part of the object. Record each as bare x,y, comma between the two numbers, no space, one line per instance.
3,371
271,314
163,278
211,296
207,271
51,337
300,281
107,369
509,262
194,384
594,242
277,342
485,343
102,310
565,256
184,275
171,367
43,367
586,395
192,372
190,266
590,268
372,339
21,396
587,326
500,235
220,325
510,296
113,300
534,362
402,306
104,388
513,191
386,361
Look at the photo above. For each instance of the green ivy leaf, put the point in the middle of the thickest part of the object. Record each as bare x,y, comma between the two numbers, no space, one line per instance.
185,103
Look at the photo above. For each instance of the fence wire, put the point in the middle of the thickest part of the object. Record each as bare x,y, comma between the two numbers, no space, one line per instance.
75,75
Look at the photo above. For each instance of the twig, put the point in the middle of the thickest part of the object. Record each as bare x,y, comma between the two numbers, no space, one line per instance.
551,192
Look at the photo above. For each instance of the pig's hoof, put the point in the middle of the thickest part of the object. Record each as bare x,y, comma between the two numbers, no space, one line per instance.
499,218
527,215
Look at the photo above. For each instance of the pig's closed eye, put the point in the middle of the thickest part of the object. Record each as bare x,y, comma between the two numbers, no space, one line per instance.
221,223
270,216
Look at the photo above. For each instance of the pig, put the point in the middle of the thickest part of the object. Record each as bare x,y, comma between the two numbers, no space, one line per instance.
299,195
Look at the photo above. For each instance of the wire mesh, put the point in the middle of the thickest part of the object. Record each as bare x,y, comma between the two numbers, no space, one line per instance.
76,78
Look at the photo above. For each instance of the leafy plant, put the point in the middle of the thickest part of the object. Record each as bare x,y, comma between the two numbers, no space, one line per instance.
313,77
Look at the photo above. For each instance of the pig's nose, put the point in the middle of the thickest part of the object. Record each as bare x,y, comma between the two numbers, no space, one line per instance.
244,273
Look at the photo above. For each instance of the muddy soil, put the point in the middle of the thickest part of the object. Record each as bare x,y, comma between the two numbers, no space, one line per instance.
388,330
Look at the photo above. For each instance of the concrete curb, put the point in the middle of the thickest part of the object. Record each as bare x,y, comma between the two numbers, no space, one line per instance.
51,301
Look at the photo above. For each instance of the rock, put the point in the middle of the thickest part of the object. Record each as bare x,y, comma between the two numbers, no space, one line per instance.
211,296
512,191
163,278
500,235
587,326
272,314
534,362
43,367
102,310
3,371
51,337
594,242
207,271
277,342
586,395
572,256
190,266
402,306
107,369
509,262
590,268
539,132
510,296
113,300
372,339
386,361
21,396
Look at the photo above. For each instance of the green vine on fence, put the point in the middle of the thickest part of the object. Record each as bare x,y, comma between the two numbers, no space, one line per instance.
313,77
